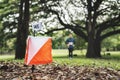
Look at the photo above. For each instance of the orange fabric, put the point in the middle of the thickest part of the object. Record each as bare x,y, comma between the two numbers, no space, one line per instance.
43,56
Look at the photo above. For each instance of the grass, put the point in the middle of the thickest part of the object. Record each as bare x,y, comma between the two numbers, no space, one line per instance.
6,57
61,57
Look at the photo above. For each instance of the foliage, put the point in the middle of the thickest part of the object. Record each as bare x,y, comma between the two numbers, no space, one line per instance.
65,14
8,22
92,20
59,38
112,43
80,43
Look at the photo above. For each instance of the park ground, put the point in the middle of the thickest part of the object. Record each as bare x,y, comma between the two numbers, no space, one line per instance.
79,67
60,56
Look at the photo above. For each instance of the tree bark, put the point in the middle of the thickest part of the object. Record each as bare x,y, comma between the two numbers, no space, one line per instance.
90,31
94,48
18,42
90,49
23,26
97,47
91,53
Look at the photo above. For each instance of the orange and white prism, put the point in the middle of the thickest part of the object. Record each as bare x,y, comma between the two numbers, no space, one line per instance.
38,50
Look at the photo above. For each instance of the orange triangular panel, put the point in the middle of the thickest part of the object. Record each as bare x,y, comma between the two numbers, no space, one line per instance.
44,55
38,51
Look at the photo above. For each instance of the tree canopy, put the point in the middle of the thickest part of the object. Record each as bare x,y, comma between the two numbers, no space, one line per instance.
92,20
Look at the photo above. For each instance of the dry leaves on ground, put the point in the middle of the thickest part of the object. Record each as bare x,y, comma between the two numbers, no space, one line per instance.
19,71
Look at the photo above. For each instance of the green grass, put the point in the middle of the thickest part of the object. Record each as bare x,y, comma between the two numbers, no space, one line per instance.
61,57
6,57
10,58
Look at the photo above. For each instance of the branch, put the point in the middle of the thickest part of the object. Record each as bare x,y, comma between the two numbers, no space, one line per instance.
60,20
100,12
110,34
89,6
95,8
110,23
83,2
54,30
80,33
97,4
79,30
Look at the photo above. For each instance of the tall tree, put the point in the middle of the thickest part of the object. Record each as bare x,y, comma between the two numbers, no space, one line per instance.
93,20
23,28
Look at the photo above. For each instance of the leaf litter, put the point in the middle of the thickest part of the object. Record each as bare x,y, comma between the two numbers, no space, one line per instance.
54,71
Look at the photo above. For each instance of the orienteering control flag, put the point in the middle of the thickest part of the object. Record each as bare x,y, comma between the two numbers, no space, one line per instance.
38,50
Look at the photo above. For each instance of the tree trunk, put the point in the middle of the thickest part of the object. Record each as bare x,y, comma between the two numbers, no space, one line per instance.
94,48
97,47
90,49
22,32
19,31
